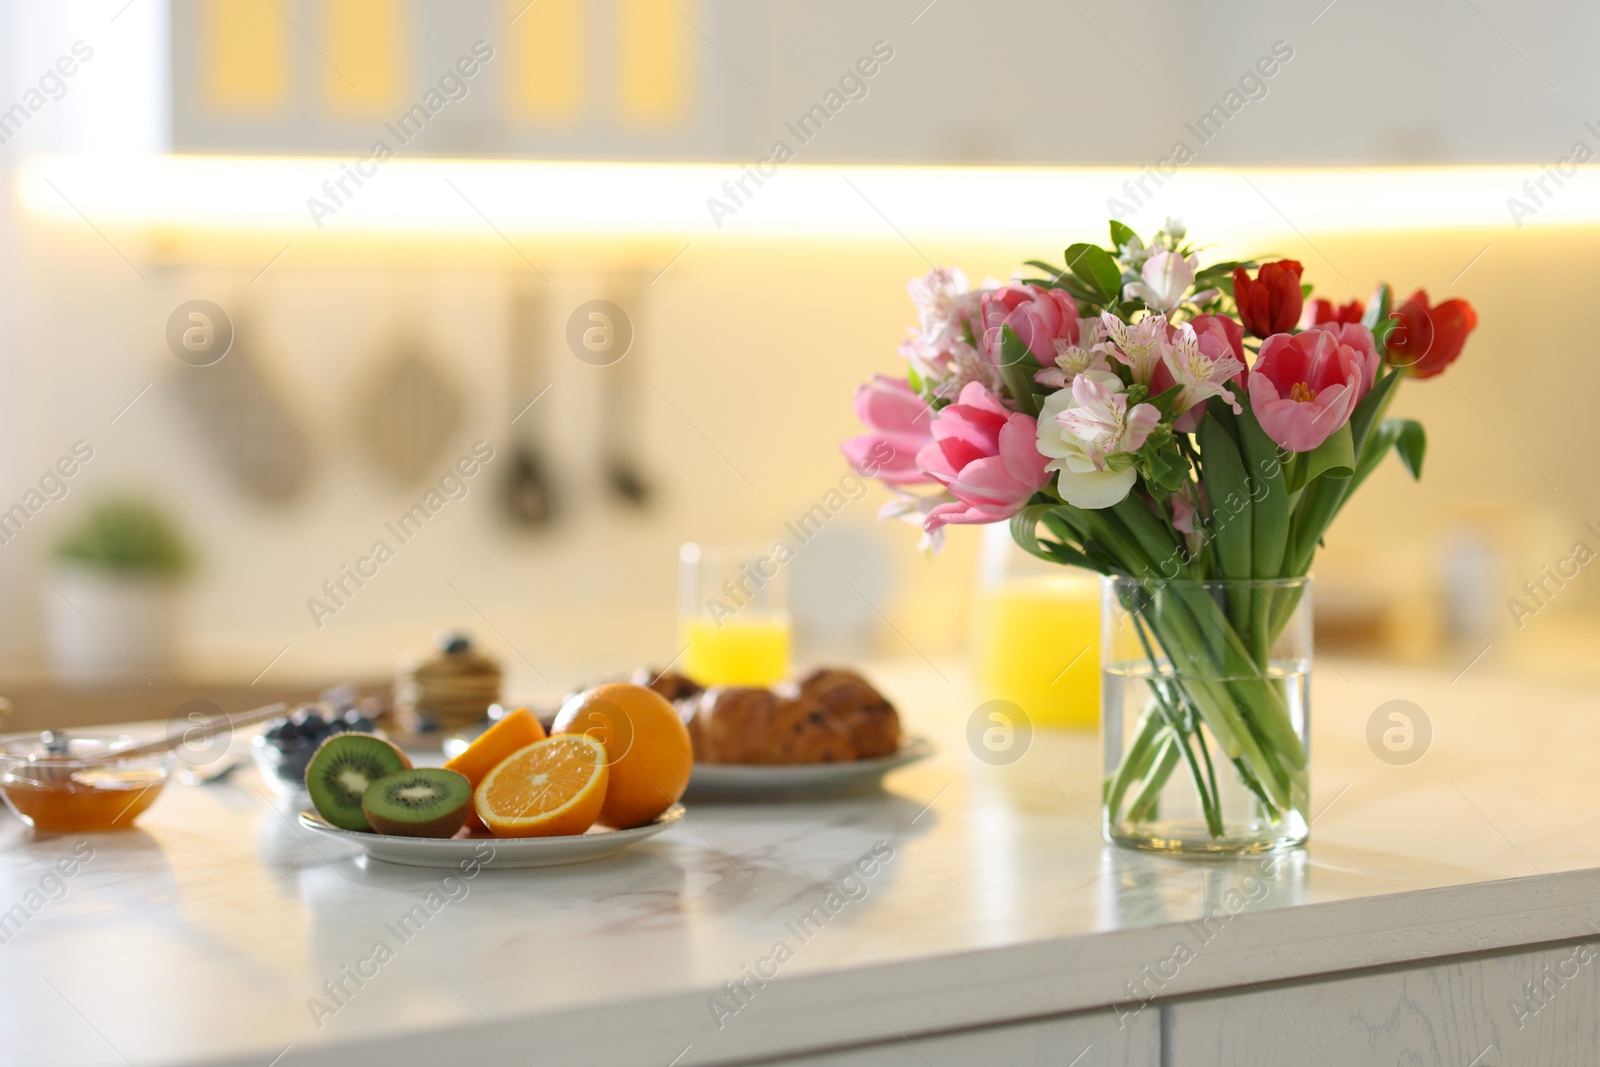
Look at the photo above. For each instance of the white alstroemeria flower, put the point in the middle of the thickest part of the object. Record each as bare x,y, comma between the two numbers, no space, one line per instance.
1203,370
932,366
1087,355
1141,346
969,365
1134,253
942,301
913,508
1087,478
1167,277
1175,229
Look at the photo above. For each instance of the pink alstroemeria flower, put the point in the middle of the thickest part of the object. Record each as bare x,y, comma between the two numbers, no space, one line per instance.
1087,355
1100,419
1166,278
1086,432
1141,346
985,455
1202,365
1039,317
1304,387
899,423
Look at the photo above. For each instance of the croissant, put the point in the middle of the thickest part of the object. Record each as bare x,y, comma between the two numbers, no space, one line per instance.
867,717
741,725
668,683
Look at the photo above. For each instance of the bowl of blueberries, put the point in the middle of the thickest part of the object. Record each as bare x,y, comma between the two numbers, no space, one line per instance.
282,751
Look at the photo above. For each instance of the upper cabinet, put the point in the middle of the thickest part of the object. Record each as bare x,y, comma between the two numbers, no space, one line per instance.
939,81
547,78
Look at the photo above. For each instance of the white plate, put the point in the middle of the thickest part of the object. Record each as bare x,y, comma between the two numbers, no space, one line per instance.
774,779
453,852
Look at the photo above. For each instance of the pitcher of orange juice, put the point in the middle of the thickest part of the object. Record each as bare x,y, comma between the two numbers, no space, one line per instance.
733,613
1036,634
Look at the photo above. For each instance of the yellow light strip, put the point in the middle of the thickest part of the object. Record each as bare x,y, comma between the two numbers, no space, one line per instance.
644,200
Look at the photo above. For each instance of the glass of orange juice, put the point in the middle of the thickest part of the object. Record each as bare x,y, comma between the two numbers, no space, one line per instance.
1036,636
733,613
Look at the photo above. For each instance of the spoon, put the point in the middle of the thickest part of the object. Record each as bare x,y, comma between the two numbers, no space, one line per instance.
57,745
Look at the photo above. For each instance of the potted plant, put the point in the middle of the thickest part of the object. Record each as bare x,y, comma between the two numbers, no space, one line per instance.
110,606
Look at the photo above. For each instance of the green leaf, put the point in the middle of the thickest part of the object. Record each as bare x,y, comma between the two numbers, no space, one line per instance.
1381,332
1051,269
1405,436
1269,511
1152,536
1163,400
1122,235
1305,290
1162,464
1025,532
1371,408
1017,367
1222,269
1411,445
1227,497
1095,267
1335,457
1378,310
1379,442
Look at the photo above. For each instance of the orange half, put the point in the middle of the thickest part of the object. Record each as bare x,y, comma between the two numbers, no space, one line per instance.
550,788
513,732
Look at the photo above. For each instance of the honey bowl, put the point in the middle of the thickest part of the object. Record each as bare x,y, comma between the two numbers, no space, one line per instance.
78,784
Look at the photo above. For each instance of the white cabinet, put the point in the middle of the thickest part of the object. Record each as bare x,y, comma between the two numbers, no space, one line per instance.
1538,1009
1092,1039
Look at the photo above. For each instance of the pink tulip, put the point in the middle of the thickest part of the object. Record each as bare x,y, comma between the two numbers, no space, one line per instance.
1040,318
986,456
1304,386
1359,340
899,420
1228,329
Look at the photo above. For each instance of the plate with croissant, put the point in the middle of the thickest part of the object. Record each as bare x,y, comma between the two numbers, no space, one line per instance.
828,730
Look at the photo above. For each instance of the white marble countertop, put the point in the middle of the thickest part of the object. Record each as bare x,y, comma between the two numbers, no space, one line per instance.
204,935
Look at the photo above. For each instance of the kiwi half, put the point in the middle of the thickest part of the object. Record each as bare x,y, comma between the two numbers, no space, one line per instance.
424,802
341,770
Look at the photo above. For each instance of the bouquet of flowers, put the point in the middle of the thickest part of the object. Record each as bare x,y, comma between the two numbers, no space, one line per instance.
1136,413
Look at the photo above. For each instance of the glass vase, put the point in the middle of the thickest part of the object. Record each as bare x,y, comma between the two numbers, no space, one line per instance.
1205,714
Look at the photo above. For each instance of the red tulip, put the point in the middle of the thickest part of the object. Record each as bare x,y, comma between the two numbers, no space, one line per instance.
1320,312
1270,303
1428,339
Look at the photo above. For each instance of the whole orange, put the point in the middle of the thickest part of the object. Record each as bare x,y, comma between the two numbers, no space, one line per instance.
647,749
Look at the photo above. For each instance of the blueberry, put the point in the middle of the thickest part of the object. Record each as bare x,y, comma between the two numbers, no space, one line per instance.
357,721
454,644
311,725
279,731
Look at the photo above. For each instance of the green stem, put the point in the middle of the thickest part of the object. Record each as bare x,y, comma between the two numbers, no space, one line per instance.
1136,763
1144,805
1210,802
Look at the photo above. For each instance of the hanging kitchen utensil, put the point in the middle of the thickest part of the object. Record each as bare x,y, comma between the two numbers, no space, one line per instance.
244,424
408,412
619,401
528,493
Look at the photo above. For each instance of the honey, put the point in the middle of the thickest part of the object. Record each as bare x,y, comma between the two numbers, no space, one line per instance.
86,800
